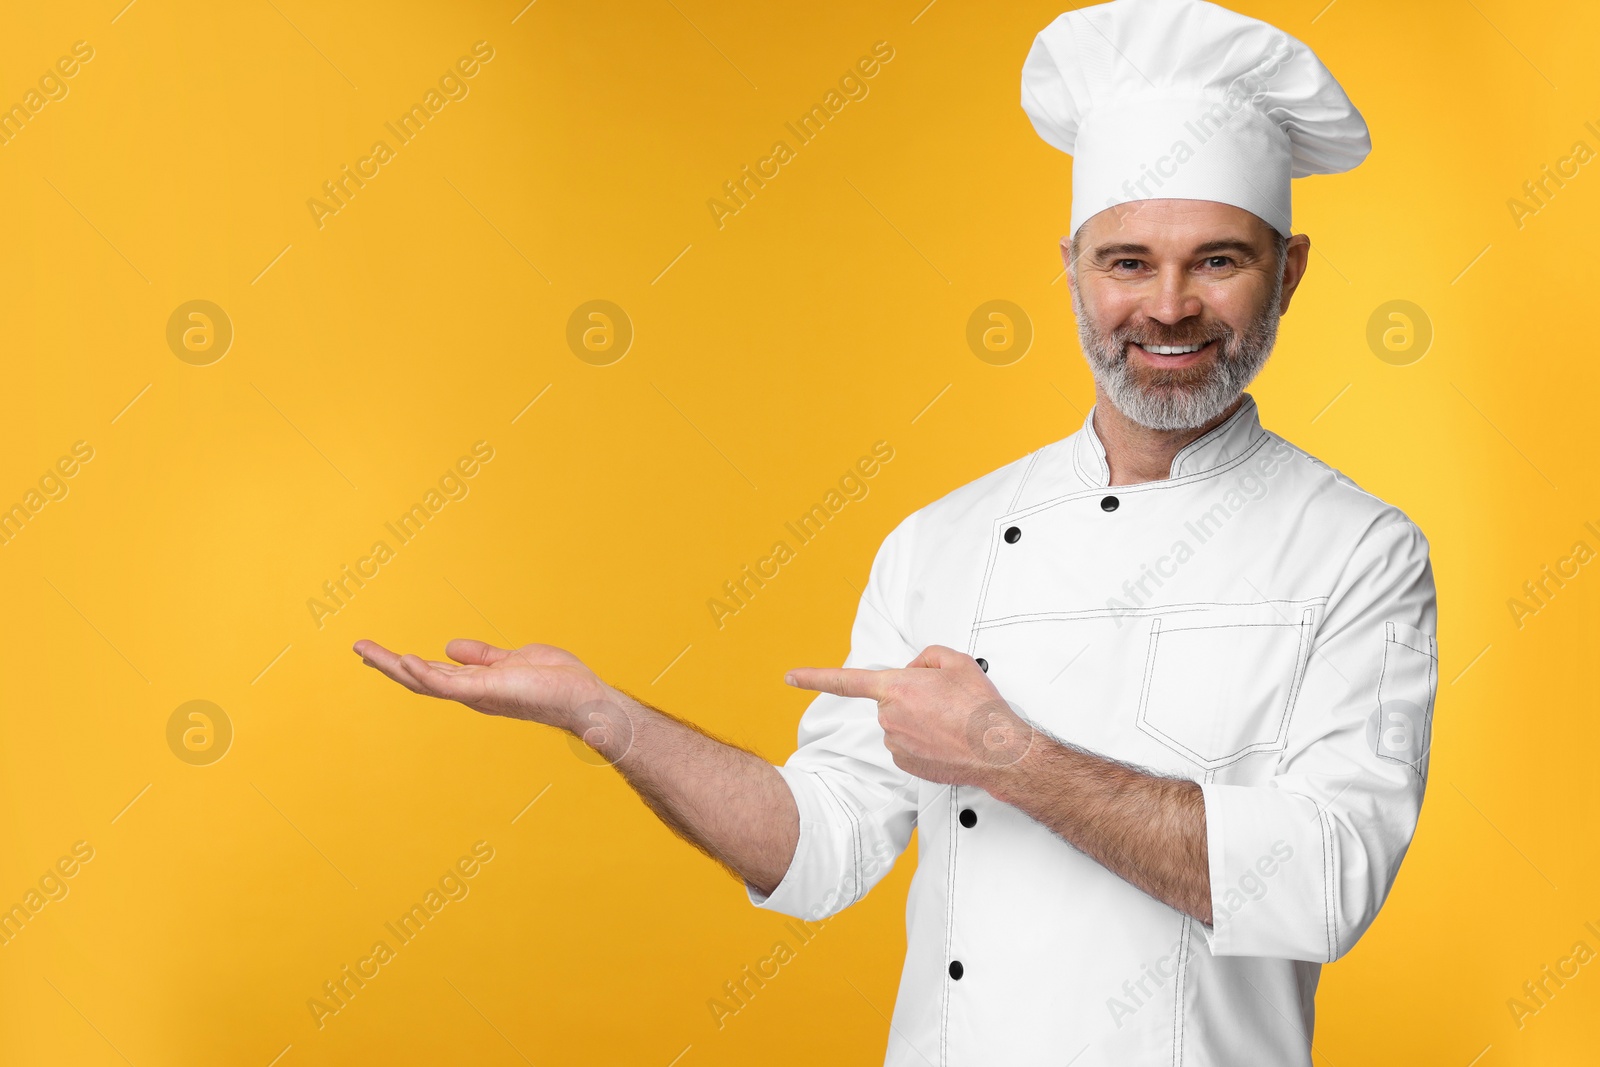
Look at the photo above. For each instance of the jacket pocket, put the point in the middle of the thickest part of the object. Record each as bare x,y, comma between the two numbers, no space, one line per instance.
1405,696
1220,680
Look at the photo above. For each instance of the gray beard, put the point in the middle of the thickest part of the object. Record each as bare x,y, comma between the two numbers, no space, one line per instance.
1184,398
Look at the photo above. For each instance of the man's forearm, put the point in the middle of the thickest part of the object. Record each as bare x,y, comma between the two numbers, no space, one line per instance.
728,802
1148,830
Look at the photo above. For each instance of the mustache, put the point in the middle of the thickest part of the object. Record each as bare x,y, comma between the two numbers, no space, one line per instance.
1145,339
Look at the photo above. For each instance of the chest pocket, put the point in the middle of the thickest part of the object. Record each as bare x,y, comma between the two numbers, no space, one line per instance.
1220,681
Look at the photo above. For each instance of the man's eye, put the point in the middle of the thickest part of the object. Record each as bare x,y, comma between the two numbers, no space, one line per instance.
1218,261
1126,264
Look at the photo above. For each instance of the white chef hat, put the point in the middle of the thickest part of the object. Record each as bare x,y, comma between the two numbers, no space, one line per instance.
1187,100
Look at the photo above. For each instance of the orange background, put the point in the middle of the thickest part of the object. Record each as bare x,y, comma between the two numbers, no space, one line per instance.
767,355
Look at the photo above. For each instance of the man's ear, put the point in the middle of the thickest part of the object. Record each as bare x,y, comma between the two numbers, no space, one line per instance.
1297,256
1066,260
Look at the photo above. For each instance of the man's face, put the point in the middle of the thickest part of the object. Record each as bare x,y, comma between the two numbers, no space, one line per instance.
1178,304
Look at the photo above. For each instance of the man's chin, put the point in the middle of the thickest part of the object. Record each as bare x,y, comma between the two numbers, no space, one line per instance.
1168,386
1167,408
1172,382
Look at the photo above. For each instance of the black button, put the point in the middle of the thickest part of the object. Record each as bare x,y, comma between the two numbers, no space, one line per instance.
969,818
983,665
1013,535
956,969
1109,504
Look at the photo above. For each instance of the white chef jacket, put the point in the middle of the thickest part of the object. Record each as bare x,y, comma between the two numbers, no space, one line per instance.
1255,623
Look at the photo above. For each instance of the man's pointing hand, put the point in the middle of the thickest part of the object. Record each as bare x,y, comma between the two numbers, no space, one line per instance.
942,719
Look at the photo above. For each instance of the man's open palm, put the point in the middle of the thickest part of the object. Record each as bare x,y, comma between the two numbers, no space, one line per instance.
538,682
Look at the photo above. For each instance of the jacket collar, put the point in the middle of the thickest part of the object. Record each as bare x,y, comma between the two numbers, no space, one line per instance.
1224,442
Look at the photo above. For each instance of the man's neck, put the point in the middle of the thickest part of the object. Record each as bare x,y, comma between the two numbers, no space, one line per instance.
1137,453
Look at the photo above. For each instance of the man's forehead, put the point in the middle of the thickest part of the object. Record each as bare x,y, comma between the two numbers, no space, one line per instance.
1173,225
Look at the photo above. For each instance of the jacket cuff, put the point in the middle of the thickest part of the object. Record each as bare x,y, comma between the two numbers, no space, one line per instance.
789,896
1270,893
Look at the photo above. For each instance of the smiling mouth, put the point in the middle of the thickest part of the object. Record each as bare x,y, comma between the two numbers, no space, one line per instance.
1172,349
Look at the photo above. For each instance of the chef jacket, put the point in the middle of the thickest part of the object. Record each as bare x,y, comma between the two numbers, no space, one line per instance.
1255,623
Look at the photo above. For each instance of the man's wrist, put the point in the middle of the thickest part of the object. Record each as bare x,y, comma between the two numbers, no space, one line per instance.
603,718
1031,755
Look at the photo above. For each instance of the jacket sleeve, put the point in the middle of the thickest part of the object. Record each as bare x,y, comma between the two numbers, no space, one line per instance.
1300,866
857,808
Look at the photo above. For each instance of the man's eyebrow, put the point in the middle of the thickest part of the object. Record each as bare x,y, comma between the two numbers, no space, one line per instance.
1224,244
1227,244
1105,252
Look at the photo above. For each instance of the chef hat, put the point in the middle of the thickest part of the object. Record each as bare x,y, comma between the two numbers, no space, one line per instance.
1187,100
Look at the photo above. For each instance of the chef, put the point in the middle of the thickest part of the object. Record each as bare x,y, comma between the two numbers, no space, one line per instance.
1157,695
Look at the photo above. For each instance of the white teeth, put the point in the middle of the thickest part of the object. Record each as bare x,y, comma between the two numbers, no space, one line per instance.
1172,350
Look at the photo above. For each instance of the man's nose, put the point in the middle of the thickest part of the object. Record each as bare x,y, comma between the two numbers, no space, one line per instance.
1174,298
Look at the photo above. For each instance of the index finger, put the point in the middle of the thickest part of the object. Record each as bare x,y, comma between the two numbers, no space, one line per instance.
840,681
